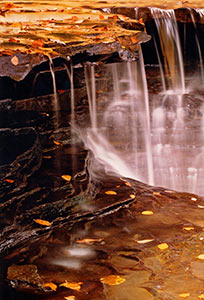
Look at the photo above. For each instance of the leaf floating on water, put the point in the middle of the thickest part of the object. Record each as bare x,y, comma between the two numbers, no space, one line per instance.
72,285
89,241
184,295
50,285
188,228
42,222
70,298
163,246
57,143
145,241
147,213
14,60
110,193
112,280
132,196
66,177
201,256
9,180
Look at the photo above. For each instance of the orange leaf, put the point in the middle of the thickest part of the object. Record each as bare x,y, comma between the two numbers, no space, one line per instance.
51,285
112,280
14,60
110,193
127,183
66,177
72,285
9,180
70,298
57,143
42,222
101,17
37,43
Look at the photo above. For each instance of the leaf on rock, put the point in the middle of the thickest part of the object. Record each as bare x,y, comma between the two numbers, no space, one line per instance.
51,285
110,193
132,196
9,180
163,246
37,43
72,285
127,183
112,280
66,177
42,222
201,256
57,143
14,60
201,296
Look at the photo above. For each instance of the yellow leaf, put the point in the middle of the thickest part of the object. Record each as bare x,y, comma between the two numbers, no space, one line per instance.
66,177
188,228
70,298
132,196
145,241
42,222
89,241
72,285
201,296
14,60
201,256
163,246
112,280
110,193
147,212
156,194
50,285
184,295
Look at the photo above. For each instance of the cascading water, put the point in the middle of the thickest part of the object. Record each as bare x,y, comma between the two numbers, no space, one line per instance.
154,138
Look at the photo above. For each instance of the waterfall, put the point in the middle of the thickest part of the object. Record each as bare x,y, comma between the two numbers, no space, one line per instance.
167,28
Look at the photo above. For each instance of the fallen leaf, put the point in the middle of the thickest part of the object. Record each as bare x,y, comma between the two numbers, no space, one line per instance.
194,199
37,43
132,196
200,206
66,177
147,212
145,241
201,296
156,193
112,280
70,298
42,222
184,295
89,241
110,193
127,183
14,60
57,143
47,156
117,186
201,256
188,228
50,285
9,180
163,246
72,285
